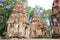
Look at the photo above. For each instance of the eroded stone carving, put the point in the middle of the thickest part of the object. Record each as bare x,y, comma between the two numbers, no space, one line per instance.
55,17
38,27
18,24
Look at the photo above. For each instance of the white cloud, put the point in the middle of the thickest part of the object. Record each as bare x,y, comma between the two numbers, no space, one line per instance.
46,4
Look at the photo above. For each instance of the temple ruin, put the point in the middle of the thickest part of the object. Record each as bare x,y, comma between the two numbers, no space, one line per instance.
18,22
55,17
39,28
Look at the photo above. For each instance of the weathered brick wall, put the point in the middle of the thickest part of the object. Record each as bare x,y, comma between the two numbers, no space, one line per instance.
16,22
38,27
19,25
55,17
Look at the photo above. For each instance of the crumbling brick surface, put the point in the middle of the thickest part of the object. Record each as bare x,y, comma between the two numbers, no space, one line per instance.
55,17
38,27
16,22
19,25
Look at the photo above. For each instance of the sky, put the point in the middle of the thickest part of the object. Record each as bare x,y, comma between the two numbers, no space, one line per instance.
46,4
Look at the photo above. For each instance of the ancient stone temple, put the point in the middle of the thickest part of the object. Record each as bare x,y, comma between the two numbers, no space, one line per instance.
17,24
39,28
55,17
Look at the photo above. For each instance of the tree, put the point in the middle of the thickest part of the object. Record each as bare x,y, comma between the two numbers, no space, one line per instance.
30,11
5,10
49,21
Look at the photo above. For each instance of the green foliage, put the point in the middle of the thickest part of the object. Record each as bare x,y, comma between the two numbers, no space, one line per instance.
6,10
30,11
5,33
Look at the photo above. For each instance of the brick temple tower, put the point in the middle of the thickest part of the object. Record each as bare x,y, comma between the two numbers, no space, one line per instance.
18,24
55,17
38,27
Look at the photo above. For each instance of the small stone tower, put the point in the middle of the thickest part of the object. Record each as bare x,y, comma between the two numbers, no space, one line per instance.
55,17
18,25
38,27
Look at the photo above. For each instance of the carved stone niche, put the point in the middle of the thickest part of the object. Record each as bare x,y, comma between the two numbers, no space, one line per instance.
55,26
39,33
55,22
58,18
27,30
10,31
56,9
